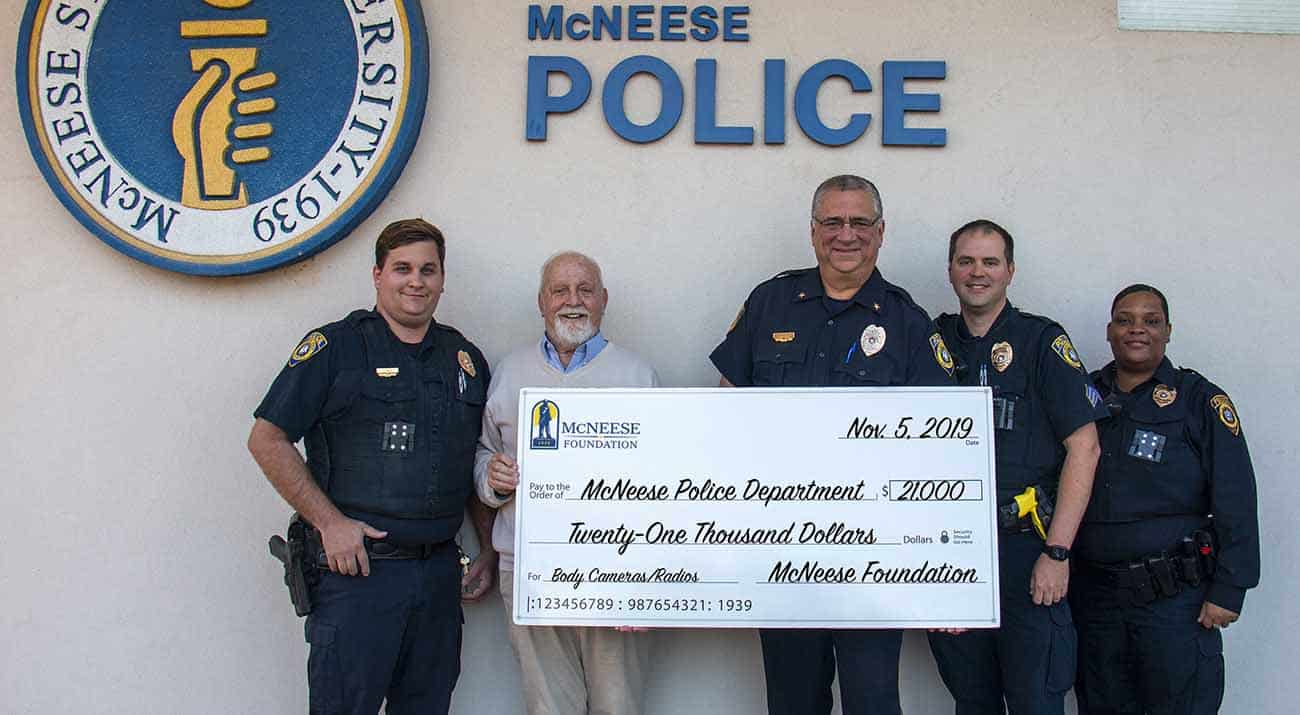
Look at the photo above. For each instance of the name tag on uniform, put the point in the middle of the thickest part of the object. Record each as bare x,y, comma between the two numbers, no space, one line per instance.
387,371
1147,445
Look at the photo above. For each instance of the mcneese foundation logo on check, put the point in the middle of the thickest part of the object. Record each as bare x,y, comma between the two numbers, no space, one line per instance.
548,431
221,137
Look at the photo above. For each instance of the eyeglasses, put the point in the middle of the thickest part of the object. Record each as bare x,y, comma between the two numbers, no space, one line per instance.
835,224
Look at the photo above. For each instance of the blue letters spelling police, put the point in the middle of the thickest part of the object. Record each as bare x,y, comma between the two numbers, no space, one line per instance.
220,137
706,23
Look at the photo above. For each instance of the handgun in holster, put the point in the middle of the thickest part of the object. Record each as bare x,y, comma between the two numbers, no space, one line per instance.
299,571
1031,509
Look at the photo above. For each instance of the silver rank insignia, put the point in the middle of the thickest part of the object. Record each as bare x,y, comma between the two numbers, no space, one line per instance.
1062,346
309,346
1164,395
1227,413
872,340
1002,356
466,363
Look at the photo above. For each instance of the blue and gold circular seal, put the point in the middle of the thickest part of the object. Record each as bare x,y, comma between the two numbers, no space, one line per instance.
220,137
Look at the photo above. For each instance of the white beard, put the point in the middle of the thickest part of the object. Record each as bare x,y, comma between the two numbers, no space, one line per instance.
571,334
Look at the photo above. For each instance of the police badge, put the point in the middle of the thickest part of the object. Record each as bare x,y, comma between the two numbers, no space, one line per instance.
1001,356
1164,395
872,340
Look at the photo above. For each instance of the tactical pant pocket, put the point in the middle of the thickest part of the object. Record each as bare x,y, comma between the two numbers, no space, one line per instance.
324,678
1063,657
1206,694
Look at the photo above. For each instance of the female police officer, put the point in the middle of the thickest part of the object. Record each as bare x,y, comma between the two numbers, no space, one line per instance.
1170,541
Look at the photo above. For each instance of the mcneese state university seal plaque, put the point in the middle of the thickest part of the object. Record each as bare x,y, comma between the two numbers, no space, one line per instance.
220,137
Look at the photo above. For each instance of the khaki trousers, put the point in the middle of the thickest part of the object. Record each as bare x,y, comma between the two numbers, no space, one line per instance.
575,670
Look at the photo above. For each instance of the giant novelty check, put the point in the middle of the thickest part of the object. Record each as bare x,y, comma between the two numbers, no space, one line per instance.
800,508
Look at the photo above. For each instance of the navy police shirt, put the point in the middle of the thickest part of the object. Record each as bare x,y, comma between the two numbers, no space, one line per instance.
1041,392
1173,458
790,334
330,372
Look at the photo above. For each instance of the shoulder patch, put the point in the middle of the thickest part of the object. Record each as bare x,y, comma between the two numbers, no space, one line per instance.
736,320
1065,350
1227,413
308,348
941,354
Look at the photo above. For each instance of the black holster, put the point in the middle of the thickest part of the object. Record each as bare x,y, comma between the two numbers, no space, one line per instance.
299,570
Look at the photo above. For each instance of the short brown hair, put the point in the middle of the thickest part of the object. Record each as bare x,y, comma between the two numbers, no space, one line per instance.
983,225
405,232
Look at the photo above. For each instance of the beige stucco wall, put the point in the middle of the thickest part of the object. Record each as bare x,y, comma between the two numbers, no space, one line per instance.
133,566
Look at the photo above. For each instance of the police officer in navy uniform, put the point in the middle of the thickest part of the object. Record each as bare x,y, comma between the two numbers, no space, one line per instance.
838,324
1044,413
1170,542
389,404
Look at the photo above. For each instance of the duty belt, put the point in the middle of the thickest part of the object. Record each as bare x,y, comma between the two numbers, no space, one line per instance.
1164,574
381,550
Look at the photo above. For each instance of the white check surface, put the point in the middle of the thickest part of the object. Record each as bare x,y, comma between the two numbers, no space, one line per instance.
789,507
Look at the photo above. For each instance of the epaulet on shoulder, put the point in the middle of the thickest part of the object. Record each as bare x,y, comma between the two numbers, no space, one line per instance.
354,317
448,329
347,322
792,273
1193,379
1046,321
906,298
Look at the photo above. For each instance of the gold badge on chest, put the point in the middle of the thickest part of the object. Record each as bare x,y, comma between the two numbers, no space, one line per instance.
872,340
1001,356
466,363
1164,395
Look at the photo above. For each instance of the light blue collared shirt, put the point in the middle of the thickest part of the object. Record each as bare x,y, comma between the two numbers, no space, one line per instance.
585,353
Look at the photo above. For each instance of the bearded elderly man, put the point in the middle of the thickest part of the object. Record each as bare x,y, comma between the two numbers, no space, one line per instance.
566,670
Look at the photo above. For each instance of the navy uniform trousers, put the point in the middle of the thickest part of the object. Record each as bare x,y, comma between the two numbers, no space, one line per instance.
1152,658
404,618
1030,660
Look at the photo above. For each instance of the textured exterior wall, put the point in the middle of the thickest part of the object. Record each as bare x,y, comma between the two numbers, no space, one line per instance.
134,570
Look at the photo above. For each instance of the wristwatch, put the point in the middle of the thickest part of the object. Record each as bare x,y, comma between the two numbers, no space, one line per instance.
1056,553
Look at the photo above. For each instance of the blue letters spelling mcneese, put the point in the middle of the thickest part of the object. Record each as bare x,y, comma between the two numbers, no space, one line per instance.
705,24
